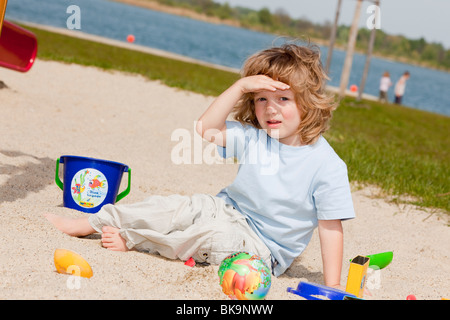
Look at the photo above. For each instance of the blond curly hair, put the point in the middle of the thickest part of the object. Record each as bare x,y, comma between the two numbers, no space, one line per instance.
301,68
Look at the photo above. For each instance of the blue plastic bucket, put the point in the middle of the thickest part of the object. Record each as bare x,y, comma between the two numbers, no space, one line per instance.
90,183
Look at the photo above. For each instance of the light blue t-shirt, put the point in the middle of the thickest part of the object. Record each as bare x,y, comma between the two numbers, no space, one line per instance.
284,190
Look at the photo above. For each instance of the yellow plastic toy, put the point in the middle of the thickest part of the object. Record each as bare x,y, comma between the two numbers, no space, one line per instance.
357,276
68,262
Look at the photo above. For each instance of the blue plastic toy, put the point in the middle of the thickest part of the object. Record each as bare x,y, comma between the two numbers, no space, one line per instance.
90,183
313,291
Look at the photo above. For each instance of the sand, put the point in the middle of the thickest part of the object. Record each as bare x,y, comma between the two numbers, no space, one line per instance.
57,109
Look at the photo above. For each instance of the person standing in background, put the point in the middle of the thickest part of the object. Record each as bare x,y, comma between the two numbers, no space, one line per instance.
385,83
400,88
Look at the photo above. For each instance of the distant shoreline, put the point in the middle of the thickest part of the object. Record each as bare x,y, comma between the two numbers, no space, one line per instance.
156,6
153,5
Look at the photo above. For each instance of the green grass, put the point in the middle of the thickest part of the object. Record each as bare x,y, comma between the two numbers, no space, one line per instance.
402,150
175,73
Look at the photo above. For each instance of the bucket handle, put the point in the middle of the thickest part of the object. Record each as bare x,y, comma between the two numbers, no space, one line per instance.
119,197
58,181
125,192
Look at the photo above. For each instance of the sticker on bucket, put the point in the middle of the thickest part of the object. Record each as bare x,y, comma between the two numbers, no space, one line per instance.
89,188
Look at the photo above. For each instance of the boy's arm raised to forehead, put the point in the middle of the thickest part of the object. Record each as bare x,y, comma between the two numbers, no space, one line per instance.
211,125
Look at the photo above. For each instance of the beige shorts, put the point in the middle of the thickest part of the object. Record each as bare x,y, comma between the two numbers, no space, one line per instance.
201,226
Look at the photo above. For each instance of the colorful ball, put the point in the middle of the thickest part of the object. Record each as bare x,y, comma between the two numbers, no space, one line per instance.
244,276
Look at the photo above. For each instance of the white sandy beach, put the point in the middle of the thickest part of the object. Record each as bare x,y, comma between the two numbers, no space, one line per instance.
60,109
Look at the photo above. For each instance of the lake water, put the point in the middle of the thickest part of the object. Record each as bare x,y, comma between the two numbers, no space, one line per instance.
229,46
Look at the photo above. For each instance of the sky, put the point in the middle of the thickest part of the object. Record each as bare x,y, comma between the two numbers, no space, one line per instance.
413,19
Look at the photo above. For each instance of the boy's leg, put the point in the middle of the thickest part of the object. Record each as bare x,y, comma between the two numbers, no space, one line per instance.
180,227
158,223
155,213
162,214
78,227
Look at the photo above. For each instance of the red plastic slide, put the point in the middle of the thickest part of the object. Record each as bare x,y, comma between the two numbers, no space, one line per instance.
18,47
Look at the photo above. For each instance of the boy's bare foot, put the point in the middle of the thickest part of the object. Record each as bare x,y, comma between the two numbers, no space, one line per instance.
112,240
78,227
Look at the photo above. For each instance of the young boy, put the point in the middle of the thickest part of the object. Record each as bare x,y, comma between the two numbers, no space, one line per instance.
400,87
289,182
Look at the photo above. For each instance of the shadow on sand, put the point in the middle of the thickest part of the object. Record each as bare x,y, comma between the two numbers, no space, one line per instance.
27,177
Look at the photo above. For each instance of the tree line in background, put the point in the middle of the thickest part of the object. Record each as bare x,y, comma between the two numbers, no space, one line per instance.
279,22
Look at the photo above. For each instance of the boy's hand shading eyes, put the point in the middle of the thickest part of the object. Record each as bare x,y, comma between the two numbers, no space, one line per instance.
260,83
